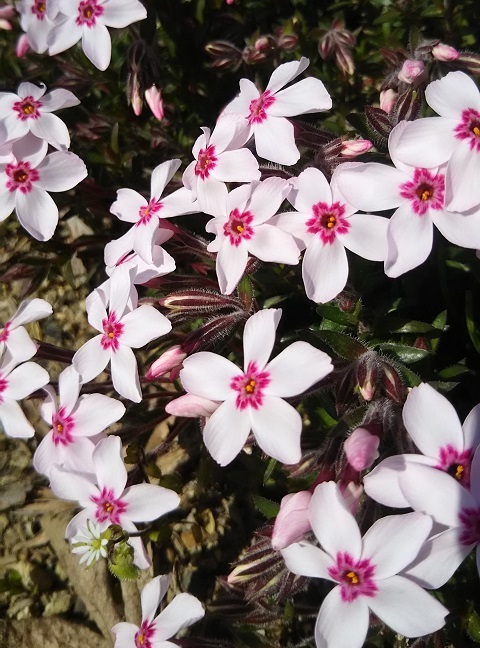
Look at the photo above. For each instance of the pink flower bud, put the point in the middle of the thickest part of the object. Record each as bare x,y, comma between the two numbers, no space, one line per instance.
191,406
8,12
361,449
22,46
137,103
443,52
292,521
153,97
352,148
5,24
412,72
388,99
264,44
168,362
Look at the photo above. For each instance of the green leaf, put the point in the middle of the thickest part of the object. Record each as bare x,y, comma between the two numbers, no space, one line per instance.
121,562
453,371
269,471
403,352
341,344
266,507
472,328
336,315
473,626
440,322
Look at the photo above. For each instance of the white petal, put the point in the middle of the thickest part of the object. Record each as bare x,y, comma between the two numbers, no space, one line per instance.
109,466
58,99
297,368
125,634
31,310
30,149
307,96
230,265
91,359
20,345
266,198
14,421
68,485
259,336
367,236
152,594
471,428
122,13
125,374
277,427
211,195
307,560
275,141
427,143
27,89
95,412
236,166
120,286
163,173
324,270
452,94
146,502
37,213
177,203
208,375
143,325
271,244
310,188
184,610
63,36
24,380
128,205
462,187
459,229
370,186
97,45
285,73
52,129
409,239
342,624
61,171
226,432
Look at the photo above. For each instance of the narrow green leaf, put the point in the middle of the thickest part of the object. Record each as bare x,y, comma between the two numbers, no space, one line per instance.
403,352
266,507
341,344
472,328
269,471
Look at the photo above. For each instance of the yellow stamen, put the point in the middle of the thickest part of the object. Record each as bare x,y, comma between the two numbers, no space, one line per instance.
41,7
108,507
141,639
459,472
111,335
476,131
21,176
88,12
250,387
240,228
59,427
425,195
28,109
353,577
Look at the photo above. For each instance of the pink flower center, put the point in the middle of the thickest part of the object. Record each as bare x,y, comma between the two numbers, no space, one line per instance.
27,108
3,387
250,386
470,519
20,177
148,212
39,9
426,191
206,162
469,129
238,228
145,634
354,576
258,108
88,12
328,221
112,331
4,332
108,507
62,427
455,463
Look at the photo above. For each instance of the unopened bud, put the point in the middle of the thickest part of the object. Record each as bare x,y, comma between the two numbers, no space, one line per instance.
392,384
191,406
22,46
137,103
361,449
292,521
443,52
388,99
287,42
265,44
413,72
353,148
170,362
367,375
153,97
251,55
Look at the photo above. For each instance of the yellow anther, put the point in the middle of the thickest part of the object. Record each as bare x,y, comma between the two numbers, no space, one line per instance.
240,228
88,12
21,176
476,131
425,195
28,109
59,427
250,387
141,639
108,507
111,335
459,471
41,6
352,576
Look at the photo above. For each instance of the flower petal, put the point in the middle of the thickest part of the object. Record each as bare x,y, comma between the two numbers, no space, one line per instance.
91,359
459,229
60,171
162,174
259,336
324,270
462,187
285,73
24,380
95,412
109,467
277,427
13,420
230,264
452,94
143,325
367,236
310,188
184,610
271,244
471,428
437,142
208,375
52,129
69,485
152,594
124,634
125,374
69,384
342,624
147,502
275,141
37,213
297,368
31,310
410,240
226,432
306,559
97,45
307,96
370,186
236,166
122,13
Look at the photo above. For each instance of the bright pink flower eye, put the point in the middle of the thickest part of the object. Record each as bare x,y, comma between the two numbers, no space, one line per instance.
250,386
144,636
27,108
62,427
354,576
206,162
328,221
3,386
455,463
112,331
88,12
258,108
39,8
108,507
469,129
4,332
238,227
426,191
21,176
147,213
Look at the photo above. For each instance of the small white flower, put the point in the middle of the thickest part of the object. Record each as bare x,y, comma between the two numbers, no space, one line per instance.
91,543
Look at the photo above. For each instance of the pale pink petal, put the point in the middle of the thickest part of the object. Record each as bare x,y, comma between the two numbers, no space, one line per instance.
226,432
191,406
19,344
52,129
431,421
116,250
45,455
462,188
177,203
79,522
230,265
7,199
27,89
24,380
370,186
211,195
452,94
427,143
471,428
143,325
277,427
475,476
31,310
76,456
124,634
144,236
61,171
324,270
295,224
122,13
97,45
37,213
285,73
69,384
275,141
236,166
342,624
397,603
91,359
120,286
307,96
292,521
266,198
208,375
30,149
58,99
393,542
63,36
310,188
49,406
367,236
109,467
259,336
184,610
162,174
343,536
361,448
152,594
200,143
14,421
409,239
95,412
147,502
271,244
125,374
69,485
459,229
141,558
14,128
297,368
128,205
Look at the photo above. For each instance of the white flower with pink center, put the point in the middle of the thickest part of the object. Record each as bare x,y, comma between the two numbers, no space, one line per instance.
324,226
452,138
244,225
131,207
88,20
266,113
445,499
219,159
25,180
13,335
37,18
181,612
121,328
73,420
433,424
418,196
106,501
365,571
30,110
252,400
17,383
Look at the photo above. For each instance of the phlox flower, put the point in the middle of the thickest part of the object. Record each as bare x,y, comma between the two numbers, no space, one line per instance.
13,335
88,20
30,110
17,383
252,400
418,196
325,225
122,327
243,226
443,497
90,543
73,419
37,18
26,178
105,500
266,113
219,159
452,138
365,571
181,612
433,424
131,207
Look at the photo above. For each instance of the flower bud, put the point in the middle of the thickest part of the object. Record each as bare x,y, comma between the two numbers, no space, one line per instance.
170,362
392,383
388,99
412,72
443,52
367,375
361,449
22,46
352,148
191,406
153,97
292,521
264,44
